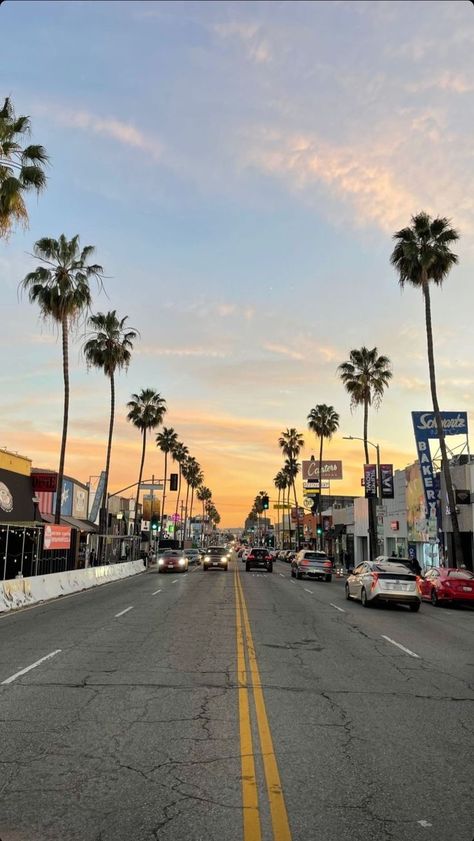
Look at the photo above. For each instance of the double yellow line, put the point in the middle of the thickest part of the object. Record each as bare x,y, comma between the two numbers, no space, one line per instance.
251,812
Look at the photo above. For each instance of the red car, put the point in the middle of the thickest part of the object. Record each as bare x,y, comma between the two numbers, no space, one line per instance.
440,586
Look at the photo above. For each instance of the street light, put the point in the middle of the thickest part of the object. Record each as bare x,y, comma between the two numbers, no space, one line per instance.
377,448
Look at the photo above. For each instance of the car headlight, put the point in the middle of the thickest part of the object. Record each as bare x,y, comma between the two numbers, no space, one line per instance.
207,558
182,562
160,562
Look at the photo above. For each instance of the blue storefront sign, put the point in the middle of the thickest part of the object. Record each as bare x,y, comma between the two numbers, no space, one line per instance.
424,426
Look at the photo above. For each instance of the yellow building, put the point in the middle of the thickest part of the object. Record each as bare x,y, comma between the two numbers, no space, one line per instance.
15,463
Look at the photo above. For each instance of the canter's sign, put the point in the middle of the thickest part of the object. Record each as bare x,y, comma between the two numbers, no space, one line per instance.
424,426
329,470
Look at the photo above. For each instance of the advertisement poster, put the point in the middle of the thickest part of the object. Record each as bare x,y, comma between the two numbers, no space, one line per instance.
370,481
386,480
421,529
57,537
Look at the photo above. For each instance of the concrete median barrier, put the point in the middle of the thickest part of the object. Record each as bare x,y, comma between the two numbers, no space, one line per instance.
20,592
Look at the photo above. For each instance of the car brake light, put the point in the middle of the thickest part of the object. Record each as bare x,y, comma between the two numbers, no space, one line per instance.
375,578
327,564
250,557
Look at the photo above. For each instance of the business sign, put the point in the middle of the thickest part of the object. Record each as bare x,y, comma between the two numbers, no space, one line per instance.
150,487
386,480
97,498
421,527
329,470
151,506
463,497
315,484
424,426
44,482
57,537
16,497
370,481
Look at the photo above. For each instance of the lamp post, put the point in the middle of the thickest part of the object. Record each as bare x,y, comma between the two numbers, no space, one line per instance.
377,482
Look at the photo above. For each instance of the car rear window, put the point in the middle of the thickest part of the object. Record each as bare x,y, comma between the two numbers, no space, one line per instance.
259,553
315,556
396,569
460,573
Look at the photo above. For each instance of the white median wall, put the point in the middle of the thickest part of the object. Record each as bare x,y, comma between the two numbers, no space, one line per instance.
19,592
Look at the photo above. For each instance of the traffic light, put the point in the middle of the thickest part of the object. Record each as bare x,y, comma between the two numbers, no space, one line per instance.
319,530
173,481
154,524
265,502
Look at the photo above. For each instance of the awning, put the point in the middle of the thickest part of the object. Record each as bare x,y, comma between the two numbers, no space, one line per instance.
80,525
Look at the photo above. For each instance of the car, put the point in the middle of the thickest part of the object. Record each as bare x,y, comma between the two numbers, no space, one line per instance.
172,560
411,563
384,581
193,556
259,557
313,563
216,557
441,585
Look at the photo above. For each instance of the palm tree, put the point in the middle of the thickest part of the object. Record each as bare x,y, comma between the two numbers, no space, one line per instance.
166,441
323,420
365,376
21,168
291,443
422,254
179,454
291,469
204,495
188,469
146,412
109,348
60,286
280,483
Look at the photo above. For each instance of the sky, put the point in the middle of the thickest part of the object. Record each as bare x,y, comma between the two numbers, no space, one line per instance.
241,168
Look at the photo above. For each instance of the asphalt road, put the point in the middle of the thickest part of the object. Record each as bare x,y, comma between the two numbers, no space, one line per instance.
235,707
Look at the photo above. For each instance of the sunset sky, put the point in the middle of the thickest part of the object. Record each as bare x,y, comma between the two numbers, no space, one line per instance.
241,168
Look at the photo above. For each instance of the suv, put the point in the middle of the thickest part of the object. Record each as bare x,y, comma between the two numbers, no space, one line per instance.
259,557
216,557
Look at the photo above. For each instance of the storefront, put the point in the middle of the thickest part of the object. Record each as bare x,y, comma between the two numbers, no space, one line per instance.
19,533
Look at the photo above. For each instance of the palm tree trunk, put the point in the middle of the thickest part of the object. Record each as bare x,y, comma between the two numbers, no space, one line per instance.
371,503
458,550
140,476
164,494
186,511
62,457
177,502
105,503
278,520
202,525
297,541
321,440
366,430
191,506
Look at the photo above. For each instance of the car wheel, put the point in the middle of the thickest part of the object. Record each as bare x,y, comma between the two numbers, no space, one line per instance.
292,573
226,568
204,568
434,598
247,567
348,595
270,568
328,578
299,574
414,607
363,598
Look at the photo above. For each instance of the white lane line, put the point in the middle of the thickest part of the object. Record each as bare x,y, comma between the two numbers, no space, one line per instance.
281,575
308,591
156,592
425,823
402,647
29,668
175,580
337,608
292,582
124,611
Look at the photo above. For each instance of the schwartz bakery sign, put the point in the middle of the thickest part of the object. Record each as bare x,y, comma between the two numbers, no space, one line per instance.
424,425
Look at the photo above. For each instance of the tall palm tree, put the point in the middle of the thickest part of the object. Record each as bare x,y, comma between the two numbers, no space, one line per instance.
188,469
109,348
61,288
365,376
280,483
204,495
195,478
179,454
291,443
22,168
146,412
283,485
291,469
166,441
323,420
422,254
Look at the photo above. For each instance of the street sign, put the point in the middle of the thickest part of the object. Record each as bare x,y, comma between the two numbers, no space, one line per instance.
281,506
150,487
309,484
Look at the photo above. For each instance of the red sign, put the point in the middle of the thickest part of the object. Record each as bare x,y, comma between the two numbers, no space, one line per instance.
394,525
44,482
57,537
329,469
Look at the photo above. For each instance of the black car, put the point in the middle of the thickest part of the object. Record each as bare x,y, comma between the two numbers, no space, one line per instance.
259,558
216,557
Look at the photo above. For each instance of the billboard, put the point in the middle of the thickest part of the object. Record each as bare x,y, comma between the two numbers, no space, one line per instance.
44,482
421,528
370,481
67,492
79,503
424,427
57,537
16,497
150,506
386,481
329,470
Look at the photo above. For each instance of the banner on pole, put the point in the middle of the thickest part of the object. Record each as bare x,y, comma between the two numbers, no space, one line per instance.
370,481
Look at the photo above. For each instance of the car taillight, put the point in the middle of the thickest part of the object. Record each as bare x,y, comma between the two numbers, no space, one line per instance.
375,578
250,557
327,564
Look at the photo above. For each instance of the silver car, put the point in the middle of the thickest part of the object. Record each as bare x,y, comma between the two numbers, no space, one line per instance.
384,581
312,563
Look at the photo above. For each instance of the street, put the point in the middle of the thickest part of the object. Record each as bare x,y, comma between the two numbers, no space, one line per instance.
235,706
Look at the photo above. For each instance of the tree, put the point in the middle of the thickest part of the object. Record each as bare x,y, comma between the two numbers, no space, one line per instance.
190,469
166,441
280,483
61,288
22,168
179,454
323,420
291,443
423,255
109,348
195,480
204,495
365,376
146,412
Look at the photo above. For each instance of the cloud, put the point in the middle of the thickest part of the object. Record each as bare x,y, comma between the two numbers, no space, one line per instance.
156,350
249,35
125,133
284,351
447,81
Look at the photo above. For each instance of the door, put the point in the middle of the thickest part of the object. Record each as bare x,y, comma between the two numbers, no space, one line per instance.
356,583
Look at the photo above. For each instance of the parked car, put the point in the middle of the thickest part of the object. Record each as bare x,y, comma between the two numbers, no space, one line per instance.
442,586
313,563
384,581
411,563
193,556
216,557
259,557
172,560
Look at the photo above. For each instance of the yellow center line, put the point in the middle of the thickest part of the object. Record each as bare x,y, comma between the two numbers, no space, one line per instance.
279,815
251,815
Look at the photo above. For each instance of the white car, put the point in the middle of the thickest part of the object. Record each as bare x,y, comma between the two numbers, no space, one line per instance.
384,581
